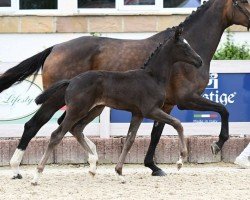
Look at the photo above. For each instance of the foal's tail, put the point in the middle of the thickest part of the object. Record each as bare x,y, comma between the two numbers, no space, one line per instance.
49,92
24,69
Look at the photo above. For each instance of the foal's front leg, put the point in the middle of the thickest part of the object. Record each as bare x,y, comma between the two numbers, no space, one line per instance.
133,128
160,116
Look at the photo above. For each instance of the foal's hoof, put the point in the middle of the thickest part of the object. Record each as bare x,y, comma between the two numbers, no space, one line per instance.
159,173
18,176
92,173
121,178
215,148
179,165
34,183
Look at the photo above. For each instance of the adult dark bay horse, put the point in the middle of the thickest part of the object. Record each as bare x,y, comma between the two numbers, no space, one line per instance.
141,92
203,30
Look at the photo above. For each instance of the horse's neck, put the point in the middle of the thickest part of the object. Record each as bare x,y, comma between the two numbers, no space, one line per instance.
204,33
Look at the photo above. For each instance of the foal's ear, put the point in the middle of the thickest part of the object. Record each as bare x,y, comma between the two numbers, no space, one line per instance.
178,32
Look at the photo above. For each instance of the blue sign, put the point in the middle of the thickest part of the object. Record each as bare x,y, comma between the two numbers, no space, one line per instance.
231,90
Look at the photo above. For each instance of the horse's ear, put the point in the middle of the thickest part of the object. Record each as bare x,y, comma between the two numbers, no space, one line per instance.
178,32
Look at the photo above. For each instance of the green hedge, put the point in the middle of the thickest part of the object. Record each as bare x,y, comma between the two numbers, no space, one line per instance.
231,51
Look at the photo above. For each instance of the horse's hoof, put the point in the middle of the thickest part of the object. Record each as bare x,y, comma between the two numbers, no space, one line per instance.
18,176
159,173
215,148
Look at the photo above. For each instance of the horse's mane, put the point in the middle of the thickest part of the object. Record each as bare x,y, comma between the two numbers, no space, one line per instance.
198,12
189,19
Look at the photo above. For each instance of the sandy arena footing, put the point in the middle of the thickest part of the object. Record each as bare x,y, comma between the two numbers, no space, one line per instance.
209,181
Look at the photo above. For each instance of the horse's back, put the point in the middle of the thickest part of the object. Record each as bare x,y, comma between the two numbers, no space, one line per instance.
86,53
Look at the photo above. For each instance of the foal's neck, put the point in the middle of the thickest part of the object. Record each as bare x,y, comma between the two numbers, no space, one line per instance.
159,66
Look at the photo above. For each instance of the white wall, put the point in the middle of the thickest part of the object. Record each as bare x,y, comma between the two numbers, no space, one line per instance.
17,47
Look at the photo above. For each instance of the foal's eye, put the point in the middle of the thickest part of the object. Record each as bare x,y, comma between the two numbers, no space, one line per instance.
245,1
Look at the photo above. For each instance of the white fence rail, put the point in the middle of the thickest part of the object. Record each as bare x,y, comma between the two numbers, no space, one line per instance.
105,128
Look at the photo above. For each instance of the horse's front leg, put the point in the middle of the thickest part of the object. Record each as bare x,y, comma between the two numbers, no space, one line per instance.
155,137
199,103
133,128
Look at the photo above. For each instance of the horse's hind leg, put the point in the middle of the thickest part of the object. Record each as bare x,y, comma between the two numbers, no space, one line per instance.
160,116
45,112
133,128
87,144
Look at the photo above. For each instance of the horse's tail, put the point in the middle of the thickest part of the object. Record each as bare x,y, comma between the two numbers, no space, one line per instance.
50,91
24,69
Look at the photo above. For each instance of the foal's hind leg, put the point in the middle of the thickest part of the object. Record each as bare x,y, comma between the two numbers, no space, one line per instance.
160,116
133,128
45,112
87,144
55,139
71,118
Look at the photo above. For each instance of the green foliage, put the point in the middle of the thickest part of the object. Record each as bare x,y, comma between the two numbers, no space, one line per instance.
95,34
231,51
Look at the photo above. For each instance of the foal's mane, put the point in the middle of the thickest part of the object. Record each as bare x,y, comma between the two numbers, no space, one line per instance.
157,50
194,15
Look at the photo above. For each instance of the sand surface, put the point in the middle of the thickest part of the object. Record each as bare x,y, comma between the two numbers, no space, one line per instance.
212,181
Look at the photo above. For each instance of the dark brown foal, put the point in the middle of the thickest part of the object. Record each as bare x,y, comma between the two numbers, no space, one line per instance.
142,92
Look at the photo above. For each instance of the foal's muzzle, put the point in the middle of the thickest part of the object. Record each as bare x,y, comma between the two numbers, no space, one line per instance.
198,63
